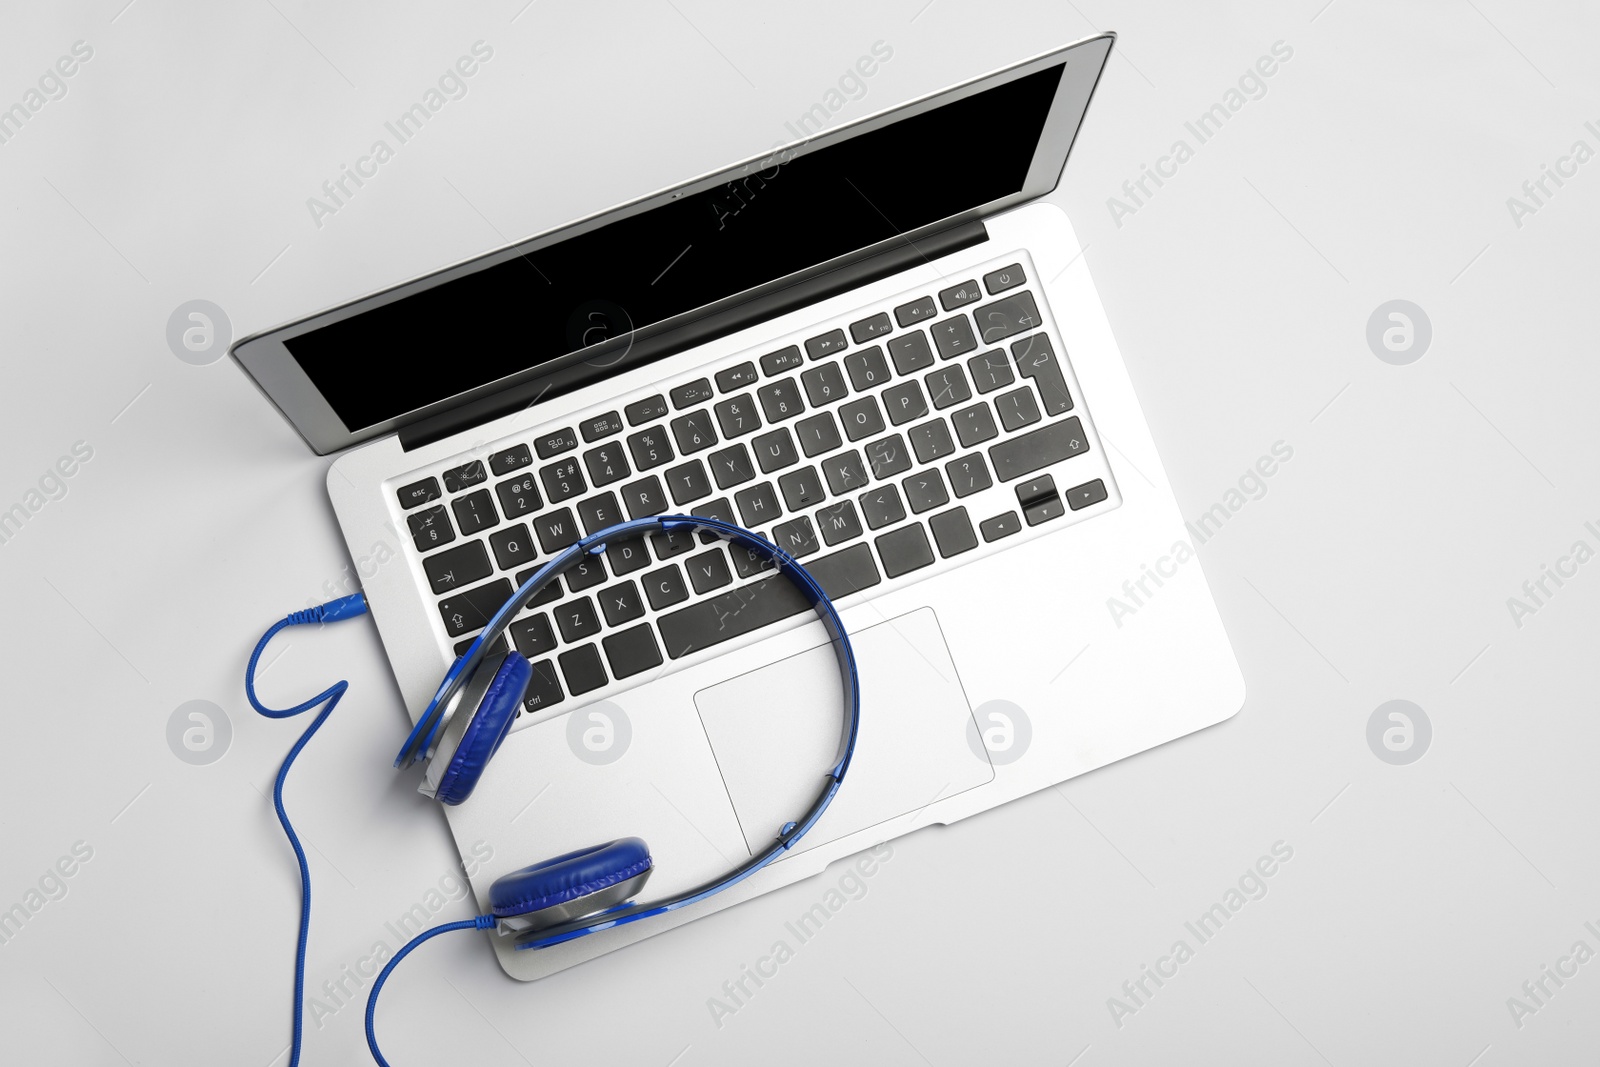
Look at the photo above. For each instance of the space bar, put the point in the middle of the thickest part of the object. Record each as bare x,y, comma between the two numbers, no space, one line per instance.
761,603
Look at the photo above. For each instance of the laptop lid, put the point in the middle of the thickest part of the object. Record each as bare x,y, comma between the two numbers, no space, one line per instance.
579,297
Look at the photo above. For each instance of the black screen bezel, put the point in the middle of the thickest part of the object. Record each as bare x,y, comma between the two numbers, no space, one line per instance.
268,361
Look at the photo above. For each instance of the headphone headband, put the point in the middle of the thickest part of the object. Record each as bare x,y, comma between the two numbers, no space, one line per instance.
424,735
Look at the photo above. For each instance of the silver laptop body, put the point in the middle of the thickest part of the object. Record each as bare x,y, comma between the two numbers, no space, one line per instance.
936,420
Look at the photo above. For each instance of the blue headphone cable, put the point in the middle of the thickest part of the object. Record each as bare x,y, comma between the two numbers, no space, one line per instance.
344,608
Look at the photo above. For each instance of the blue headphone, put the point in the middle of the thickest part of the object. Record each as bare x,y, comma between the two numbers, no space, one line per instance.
467,720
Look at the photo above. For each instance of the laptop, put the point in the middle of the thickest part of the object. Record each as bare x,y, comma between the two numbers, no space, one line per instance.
876,347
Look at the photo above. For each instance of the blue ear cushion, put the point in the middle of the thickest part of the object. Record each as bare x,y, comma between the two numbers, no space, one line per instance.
568,877
482,737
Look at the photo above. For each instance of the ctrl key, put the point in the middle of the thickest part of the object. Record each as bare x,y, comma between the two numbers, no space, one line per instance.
544,689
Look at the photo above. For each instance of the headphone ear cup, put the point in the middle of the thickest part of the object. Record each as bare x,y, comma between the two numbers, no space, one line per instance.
490,723
571,886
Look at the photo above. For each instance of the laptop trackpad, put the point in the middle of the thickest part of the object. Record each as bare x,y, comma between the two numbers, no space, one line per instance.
776,729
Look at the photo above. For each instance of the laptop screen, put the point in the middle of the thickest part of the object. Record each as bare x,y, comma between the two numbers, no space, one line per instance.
681,255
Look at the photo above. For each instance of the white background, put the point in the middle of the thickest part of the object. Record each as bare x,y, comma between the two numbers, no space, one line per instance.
1377,566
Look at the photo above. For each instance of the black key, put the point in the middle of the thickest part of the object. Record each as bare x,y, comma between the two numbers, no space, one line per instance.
780,400
953,337
459,478
419,493
664,586
1039,499
781,361
693,431
1079,497
925,491
519,496
948,386
563,480
737,416
968,474
627,556
999,526
582,669
601,426
644,497
758,505
824,384
556,530
497,645
587,573
801,488
952,532
431,528
695,392
731,466
708,570
715,509
829,344
818,434
669,543
956,295
796,537
621,603
544,688
838,522
998,281
932,440
472,609
632,651
641,411
911,352
974,425
1003,318
888,456
551,592
991,370
882,507
512,547
868,328
475,511
457,568
577,619
761,603
1038,449
904,550
598,512
533,636
861,418
918,311
845,473
1037,360
687,482
1017,409
650,448
511,459
846,571
555,443
904,401
867,368
736,377
747,561
606,463
775,451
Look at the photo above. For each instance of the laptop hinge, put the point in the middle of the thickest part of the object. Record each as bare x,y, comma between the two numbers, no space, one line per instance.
901,255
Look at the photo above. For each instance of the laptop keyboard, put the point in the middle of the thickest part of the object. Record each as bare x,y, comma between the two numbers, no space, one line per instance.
924,431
